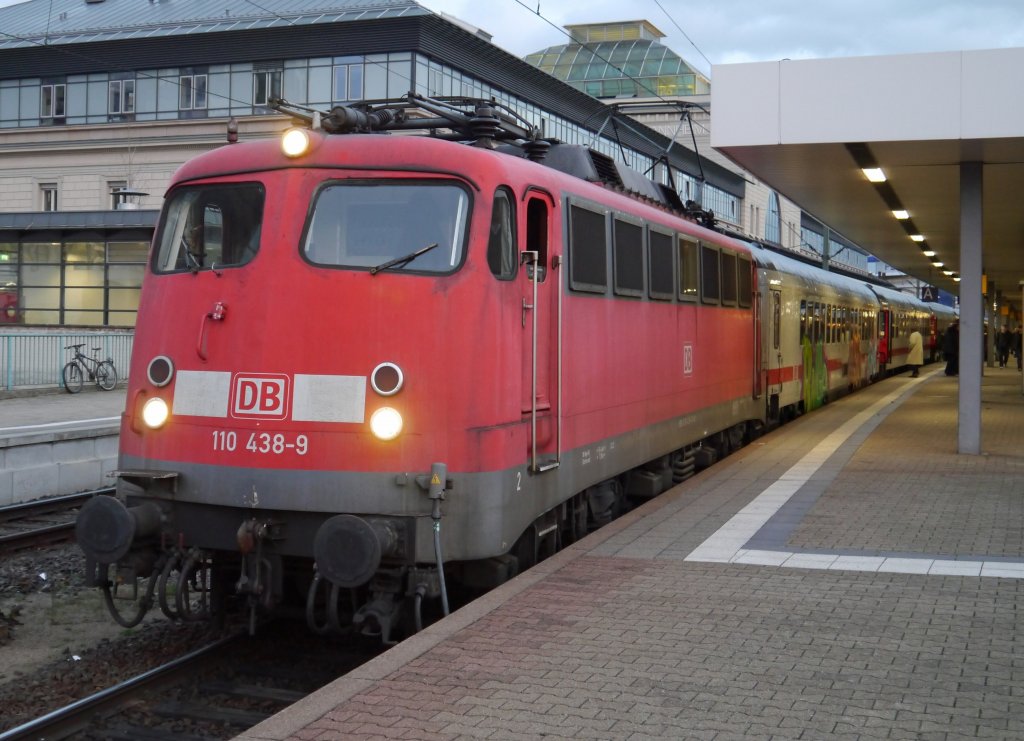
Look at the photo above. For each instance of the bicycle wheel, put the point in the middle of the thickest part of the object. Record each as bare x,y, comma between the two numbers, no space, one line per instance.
106,375
72,375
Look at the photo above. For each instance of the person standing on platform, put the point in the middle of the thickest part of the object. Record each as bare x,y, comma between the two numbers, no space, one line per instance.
1003,342
915,356
951,349
1017,348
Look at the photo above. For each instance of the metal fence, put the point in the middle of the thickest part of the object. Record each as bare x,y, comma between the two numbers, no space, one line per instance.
30,360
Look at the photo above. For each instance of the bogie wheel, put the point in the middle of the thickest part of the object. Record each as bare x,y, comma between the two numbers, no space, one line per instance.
106,375
72,375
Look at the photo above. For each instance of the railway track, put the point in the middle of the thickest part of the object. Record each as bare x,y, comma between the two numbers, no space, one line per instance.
215,692
43,522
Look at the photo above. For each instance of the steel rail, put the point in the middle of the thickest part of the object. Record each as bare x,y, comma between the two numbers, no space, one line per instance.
41,534
72,718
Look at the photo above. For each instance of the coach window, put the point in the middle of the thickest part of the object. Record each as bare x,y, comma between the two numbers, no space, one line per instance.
588,243
744,283
661,275
501,245
710,275
803,321
207,227
728,264
628,251
777,317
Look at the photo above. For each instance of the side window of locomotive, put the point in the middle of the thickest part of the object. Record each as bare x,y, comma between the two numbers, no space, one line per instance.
689,269
589,251
411,226
728,264
208,227
710,275
661,274
537,234
744,283
501,244
628,251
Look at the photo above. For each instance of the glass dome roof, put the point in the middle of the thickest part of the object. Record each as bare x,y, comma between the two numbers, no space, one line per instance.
620,60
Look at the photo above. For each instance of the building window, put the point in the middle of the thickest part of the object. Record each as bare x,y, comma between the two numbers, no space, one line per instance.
348,82
113,186
265,85
191,92
52,101
48,196
772,226
121,97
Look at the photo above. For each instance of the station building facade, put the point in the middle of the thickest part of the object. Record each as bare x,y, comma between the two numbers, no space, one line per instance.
102,100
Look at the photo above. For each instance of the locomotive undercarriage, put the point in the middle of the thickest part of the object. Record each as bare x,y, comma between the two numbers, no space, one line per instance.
365,576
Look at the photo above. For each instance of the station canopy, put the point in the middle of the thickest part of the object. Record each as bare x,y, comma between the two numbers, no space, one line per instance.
810,128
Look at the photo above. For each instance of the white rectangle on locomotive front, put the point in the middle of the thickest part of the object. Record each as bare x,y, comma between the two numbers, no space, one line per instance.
329,398
201,393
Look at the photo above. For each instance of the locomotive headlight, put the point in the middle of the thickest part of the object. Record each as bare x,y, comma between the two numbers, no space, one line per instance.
386,423
155,413
295,142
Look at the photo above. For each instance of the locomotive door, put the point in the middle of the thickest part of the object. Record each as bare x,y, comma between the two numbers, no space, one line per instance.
542,309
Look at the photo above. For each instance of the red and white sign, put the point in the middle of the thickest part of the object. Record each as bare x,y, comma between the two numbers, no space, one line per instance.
301,398
259,395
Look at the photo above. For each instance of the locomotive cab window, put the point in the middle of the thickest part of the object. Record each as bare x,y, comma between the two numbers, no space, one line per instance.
409,226
208,227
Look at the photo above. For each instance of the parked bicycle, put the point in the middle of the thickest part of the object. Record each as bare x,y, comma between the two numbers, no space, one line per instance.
102,372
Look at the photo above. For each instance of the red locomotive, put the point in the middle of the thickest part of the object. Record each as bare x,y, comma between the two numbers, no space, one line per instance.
366,362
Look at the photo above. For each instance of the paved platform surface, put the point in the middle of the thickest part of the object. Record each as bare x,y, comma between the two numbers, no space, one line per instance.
847,576
89,410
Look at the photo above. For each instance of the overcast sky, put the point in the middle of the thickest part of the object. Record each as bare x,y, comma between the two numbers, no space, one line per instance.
726,31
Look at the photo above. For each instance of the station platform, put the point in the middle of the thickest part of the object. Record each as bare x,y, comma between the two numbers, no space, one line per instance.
90,408
848,575
58,443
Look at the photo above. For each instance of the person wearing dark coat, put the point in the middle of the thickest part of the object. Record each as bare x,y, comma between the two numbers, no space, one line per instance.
1004,341
951,349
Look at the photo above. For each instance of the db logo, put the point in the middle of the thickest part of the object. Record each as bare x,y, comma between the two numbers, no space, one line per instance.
259,395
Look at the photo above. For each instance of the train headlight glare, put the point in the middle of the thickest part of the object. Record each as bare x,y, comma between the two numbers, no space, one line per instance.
155,413
295,142
386,423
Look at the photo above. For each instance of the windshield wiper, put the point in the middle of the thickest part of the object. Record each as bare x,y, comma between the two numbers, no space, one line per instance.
403,260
